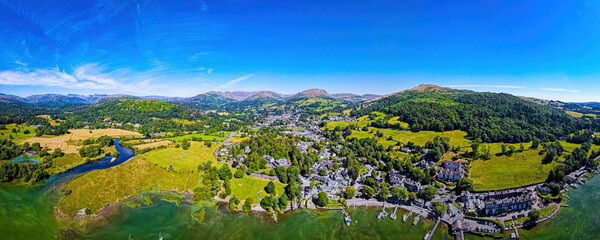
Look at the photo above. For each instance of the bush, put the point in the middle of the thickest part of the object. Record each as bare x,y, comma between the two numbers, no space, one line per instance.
239,173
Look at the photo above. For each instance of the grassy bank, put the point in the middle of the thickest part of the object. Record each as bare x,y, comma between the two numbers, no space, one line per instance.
94,190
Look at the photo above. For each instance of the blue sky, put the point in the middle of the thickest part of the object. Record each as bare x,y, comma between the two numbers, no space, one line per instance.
547,49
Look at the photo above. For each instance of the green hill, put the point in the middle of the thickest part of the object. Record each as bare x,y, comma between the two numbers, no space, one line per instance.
492,117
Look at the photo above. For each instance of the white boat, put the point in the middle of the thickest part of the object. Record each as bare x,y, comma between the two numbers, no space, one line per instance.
160,236
382,214
347,218
405,217
427,236
416,220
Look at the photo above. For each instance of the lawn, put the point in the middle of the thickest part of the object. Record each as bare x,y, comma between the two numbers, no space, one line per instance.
214,137
95,189
248,186
182,160
64,163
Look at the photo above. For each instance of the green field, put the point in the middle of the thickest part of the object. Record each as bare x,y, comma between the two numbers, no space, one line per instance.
457,137
17,136
64,163
248,186
214,137
503,172
95,189
182,160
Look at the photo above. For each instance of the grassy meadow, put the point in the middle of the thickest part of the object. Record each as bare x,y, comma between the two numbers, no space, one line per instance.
248,186
182,160
19,135
65,163
213,137
520,169
95,189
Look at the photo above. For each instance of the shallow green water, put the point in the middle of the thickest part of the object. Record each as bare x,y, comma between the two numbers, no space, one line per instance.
33,219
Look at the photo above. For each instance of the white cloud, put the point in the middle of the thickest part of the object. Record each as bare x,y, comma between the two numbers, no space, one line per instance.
86,76
233,82
210,70
559,90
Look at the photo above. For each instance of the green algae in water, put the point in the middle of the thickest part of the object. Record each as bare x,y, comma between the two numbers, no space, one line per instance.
199,216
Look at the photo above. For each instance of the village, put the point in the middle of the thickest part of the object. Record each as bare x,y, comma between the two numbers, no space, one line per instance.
482,213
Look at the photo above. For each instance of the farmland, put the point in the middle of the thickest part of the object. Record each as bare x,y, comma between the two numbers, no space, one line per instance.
69,143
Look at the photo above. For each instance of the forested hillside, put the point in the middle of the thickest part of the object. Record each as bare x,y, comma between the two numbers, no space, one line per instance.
492,117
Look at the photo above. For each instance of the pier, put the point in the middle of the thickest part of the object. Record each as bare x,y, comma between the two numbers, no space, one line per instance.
430,234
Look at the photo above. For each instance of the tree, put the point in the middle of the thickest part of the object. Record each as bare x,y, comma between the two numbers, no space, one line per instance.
281,174
396,192
239,173
534,215
267,203
383,193
412,197
535,143
322,199
350,192
225,172
440,208
270,188
248,204
464,184
369,192
429,192
283,201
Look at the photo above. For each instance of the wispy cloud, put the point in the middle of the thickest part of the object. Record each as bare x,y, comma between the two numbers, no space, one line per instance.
488,86
88,76
559,90
233,82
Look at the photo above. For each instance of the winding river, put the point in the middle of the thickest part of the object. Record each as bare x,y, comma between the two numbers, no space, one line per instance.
27,213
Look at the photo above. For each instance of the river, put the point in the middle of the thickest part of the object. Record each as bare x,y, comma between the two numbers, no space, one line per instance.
27,213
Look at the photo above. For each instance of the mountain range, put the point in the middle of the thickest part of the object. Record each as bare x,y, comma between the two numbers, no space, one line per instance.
204,100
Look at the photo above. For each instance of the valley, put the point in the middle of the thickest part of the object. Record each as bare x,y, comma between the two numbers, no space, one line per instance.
474,159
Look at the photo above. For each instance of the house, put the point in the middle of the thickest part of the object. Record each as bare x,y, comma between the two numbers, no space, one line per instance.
497,206
452,164
405,150
451,174
31,153
396,178
412,185
269,159
422,164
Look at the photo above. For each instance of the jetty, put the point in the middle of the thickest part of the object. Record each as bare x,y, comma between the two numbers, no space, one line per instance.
393,216
430,233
